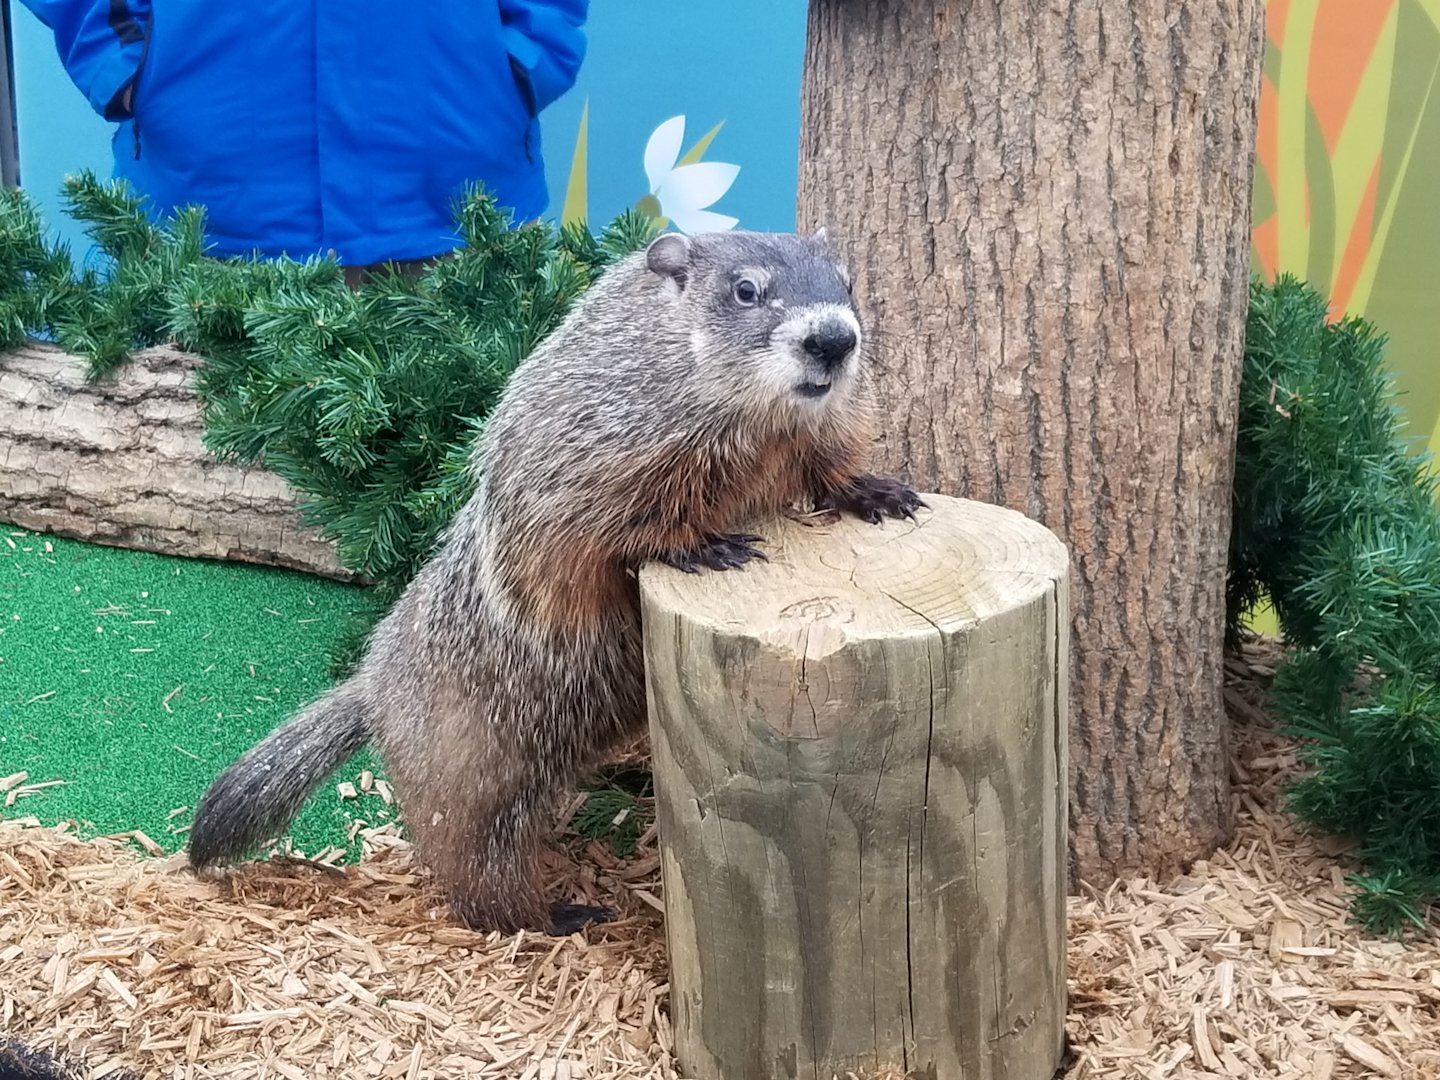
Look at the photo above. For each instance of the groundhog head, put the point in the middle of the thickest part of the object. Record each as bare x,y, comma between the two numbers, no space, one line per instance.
777,304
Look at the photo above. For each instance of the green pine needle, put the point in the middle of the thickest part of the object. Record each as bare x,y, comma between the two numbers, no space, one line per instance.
618,808
1336,522
1387,904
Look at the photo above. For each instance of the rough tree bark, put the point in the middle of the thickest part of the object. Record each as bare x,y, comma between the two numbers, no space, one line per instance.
1047,208
122,462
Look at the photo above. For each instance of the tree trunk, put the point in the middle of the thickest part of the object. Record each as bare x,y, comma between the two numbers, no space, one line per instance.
1047,209
122,462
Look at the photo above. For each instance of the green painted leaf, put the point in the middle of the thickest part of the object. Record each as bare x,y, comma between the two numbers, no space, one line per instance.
1294,129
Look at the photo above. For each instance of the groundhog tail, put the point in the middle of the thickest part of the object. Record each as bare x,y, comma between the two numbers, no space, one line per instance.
258,795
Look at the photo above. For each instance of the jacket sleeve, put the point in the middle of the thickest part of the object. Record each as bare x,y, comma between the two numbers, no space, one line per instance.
545,39
101,44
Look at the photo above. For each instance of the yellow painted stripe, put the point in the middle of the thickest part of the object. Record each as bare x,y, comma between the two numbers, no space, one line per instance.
1292,113
1361,140
577,197
699,148
1366,281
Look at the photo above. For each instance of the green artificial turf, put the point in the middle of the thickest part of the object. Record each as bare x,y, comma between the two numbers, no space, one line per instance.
134,678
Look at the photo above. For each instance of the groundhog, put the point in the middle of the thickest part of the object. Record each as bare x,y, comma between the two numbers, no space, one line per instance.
697,383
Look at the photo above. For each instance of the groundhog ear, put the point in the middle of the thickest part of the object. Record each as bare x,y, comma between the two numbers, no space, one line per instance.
821,235
669,256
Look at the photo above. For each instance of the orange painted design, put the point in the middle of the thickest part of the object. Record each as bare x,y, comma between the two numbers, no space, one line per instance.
1265,237
1357,246
1267,132
1267,136
1275,13
1343,42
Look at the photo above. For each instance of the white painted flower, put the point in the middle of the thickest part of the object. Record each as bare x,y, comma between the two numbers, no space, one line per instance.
683,191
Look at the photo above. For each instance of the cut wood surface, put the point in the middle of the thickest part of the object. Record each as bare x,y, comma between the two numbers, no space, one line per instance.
121,462
859,762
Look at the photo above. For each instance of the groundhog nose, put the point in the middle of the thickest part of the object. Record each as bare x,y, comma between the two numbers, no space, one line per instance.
830,343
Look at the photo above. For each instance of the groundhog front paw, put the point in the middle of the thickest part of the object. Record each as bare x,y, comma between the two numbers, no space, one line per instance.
565,919
875,497
723,551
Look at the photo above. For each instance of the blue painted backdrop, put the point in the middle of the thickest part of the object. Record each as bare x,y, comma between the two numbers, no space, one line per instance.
648,60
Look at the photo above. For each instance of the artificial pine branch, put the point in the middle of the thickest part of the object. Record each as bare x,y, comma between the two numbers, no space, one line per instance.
113,218
39,286
1336,521
126,307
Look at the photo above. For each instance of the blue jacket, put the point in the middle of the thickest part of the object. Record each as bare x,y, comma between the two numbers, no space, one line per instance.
303,127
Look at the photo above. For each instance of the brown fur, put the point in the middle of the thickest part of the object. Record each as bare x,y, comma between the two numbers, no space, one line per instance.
660,415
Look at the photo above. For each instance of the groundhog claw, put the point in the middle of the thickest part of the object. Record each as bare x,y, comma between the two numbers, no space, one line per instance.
565,919
872,498
723,551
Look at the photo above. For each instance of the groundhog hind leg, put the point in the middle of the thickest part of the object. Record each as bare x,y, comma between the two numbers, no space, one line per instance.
484,845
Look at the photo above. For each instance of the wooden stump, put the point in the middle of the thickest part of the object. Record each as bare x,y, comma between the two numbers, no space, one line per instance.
859,761
122,462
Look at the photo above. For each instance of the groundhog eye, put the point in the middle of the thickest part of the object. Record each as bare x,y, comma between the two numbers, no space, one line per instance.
746,291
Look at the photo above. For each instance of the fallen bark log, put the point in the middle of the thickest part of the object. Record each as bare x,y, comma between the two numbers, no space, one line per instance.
121,462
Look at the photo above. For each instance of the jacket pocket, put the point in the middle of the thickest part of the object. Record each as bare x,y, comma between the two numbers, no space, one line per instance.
146,30
523,84
527,95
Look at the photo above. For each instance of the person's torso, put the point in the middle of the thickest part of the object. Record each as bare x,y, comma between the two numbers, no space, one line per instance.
304,127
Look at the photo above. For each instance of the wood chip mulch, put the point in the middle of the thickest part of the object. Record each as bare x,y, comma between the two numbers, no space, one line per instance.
299,970
1246,967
